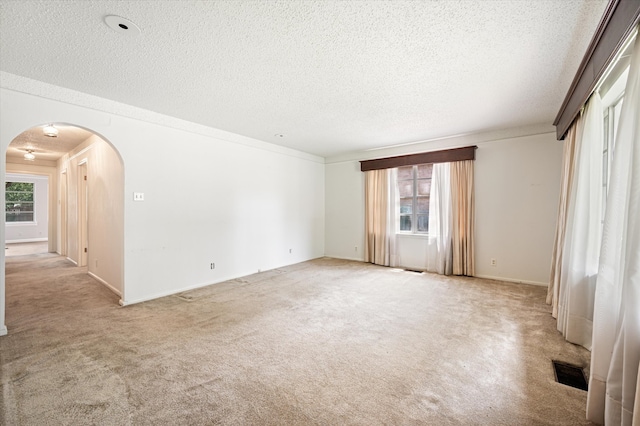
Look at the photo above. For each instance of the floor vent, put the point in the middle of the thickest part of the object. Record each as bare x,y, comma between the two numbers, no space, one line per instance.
413,270
570,375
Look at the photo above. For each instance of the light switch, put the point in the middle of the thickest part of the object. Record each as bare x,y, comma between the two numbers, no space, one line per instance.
138,196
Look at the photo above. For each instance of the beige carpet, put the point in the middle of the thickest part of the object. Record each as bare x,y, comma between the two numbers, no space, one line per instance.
22,249
322,342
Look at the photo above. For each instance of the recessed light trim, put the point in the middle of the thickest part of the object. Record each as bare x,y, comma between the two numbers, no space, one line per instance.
122,25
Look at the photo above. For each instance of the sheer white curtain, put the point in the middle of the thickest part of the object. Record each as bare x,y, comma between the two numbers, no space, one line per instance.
581,247
440,250
615,356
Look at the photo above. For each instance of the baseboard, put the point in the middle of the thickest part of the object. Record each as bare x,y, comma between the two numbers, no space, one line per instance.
512,280
72,261
104,283
344,258
3,330
196,286
27,240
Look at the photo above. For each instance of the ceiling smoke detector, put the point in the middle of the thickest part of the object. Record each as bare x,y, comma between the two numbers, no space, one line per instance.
122,25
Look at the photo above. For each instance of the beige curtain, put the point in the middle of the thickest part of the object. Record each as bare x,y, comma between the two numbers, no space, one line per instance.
377,198
568,167
463,217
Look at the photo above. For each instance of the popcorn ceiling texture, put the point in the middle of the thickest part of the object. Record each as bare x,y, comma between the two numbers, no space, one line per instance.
333,76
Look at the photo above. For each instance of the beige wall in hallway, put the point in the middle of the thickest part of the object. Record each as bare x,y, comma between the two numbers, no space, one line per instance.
105,209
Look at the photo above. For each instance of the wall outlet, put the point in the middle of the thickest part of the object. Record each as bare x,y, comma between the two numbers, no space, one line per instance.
138,196
213,265
494,262
356,248
290,250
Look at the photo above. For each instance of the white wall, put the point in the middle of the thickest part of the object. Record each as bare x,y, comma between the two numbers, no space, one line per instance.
210,196
38,229
517,182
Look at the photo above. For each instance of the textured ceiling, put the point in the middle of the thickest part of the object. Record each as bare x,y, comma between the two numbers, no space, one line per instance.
44,147
332,76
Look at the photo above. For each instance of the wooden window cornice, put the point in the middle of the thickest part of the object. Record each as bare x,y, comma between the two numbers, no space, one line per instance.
617,23
444,156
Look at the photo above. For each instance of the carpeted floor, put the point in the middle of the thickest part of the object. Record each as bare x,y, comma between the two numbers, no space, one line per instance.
321,342
22,249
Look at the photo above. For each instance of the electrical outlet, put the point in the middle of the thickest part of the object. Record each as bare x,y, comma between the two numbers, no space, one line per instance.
356,248
138,196
494,262
213,265
290,250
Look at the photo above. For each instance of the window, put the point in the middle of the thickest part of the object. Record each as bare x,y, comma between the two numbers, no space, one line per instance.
611,120
19,202
414,188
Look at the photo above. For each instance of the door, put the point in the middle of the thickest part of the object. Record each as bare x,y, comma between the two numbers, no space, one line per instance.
82,214
63,213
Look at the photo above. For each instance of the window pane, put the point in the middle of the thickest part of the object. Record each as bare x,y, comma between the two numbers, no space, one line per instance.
405,173
424,187
19,201
423,223
406,205
405,188
425,171
423,205
19,216
405,223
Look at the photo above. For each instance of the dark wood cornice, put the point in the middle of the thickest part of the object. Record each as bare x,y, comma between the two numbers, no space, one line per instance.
444,156
619,20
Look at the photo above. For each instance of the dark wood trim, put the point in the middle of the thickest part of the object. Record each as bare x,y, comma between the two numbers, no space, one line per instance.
618,21
444,156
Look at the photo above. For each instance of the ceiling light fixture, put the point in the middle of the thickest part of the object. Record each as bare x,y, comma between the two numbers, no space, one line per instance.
50,131
29,156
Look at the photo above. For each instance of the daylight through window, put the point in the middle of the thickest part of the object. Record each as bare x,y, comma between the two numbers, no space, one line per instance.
18,198
414,188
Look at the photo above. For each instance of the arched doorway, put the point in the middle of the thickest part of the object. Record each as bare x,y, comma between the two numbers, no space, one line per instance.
86,197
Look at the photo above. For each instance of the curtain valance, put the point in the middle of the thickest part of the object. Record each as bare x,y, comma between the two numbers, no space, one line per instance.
443,156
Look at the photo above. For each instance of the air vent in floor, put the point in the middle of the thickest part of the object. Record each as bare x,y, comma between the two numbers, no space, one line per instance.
570,375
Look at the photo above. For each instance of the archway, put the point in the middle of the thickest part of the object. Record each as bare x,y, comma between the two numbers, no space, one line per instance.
86,208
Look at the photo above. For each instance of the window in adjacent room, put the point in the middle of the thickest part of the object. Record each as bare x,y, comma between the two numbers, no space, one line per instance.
414,189
19,200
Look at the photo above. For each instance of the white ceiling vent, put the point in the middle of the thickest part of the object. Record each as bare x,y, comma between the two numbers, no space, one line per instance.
122,25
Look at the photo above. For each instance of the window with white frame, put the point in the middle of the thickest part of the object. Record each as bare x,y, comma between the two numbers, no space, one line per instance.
611,120
414,189
612,89
19,202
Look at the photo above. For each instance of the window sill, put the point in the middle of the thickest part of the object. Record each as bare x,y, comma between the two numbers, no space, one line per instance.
409,235
21,223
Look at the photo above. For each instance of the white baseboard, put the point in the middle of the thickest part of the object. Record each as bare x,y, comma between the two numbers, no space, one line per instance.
72,261
512,280
27,240
104,283
217,281
3,330
344,258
